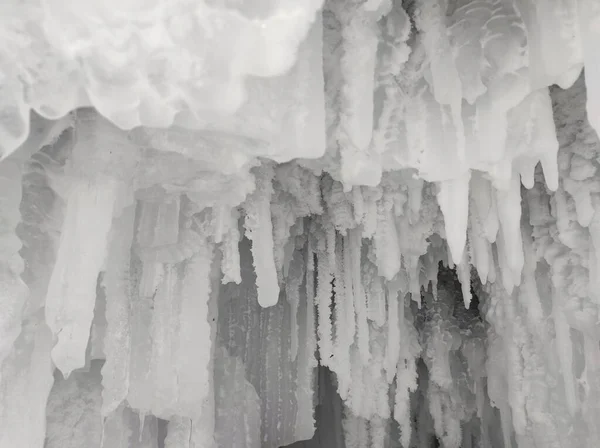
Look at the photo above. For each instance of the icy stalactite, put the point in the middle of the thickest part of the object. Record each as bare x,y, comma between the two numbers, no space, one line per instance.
71,294
118,286
192,365
444,76
359,40
588,15
259,229
91,204
306,361
453,198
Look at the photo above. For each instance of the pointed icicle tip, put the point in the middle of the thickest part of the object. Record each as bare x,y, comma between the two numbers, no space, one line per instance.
453,198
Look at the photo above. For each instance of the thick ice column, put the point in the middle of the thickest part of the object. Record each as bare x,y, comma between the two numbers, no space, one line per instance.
162,374
509,214
393,328
357,68
230,261
306,362
101,166
394,53
118,286
72,290
325,273
343,319
360,298
445,80
15,293
195,342
294,282
589,15
591,381
552,40
386,243
259,230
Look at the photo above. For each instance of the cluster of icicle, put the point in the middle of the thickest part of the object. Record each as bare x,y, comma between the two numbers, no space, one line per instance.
166,287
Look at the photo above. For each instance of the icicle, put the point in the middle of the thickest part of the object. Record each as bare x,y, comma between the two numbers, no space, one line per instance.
350,310
360,305
140,394
591,384
564,348
259,230
589,14
341,350
477,241
464,276
339,205
393,337
117,342
204,427
357,67
159,222
395,54
413,269
193,359
358,205
163,332
453,197
231,253
293,284
446,84
72,289
509,213
375,296
306,362
324,296
529,297
405,383
147,433
387,248
221,214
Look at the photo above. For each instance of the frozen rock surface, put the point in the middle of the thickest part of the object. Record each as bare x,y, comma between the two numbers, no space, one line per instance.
308,223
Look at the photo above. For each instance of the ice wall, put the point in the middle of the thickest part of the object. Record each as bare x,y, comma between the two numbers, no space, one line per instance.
349,223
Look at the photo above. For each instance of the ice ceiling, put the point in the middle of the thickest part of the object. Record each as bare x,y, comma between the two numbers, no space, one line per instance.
250,223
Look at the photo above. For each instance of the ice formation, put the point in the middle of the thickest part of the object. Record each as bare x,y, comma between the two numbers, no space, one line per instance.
308,223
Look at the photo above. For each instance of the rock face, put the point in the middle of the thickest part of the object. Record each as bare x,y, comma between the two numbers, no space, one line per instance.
360,224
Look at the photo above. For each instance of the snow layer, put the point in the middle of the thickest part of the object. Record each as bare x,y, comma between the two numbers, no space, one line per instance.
232,224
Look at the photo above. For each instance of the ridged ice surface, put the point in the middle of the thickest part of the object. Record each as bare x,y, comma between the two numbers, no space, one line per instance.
319,224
